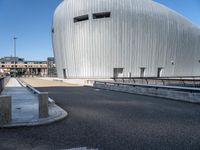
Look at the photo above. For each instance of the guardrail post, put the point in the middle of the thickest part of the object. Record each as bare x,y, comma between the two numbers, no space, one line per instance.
5,109
43,105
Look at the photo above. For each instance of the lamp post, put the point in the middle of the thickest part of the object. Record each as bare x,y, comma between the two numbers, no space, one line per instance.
15,39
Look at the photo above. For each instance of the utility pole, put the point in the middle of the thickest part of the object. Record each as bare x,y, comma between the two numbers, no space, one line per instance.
15,44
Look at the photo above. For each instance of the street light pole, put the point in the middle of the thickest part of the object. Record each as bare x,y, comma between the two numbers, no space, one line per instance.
15,39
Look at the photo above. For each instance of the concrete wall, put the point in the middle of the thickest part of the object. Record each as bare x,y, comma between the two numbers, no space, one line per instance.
3,82
176,93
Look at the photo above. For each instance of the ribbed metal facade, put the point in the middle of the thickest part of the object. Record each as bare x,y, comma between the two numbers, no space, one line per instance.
138,34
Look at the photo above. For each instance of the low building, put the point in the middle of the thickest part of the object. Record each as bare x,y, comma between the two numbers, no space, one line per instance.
22,67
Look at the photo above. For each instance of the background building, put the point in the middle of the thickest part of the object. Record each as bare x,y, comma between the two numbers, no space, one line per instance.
106,38
51,66
22,67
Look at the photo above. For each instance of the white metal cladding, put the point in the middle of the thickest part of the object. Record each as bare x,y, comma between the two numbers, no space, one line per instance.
138,33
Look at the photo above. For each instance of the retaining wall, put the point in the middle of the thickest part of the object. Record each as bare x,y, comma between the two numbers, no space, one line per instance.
172,92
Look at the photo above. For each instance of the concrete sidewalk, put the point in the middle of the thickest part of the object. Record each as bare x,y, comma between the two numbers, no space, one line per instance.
75,82
25,107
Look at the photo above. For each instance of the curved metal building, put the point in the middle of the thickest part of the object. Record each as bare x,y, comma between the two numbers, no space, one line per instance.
106,38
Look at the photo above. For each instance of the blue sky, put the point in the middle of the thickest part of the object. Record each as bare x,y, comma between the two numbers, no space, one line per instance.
30,21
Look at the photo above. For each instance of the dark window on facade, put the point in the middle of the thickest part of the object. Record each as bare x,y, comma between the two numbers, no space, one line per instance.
101,15
118,72
52,30
81,18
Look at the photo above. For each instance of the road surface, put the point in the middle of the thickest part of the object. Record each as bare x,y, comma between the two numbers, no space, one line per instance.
110,121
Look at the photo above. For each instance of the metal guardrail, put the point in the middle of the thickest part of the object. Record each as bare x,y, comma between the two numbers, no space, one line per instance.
165,77
175,88
35,91
187,81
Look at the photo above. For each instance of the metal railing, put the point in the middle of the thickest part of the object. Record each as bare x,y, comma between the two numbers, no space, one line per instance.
186,81
32,89
175,88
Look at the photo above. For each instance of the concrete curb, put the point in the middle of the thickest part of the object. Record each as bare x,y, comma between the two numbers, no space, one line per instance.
39,122
56,114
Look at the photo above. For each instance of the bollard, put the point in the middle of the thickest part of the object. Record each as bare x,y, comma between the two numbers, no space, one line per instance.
43,105
5,109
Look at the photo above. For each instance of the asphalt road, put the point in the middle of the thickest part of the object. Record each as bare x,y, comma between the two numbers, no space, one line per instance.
110,121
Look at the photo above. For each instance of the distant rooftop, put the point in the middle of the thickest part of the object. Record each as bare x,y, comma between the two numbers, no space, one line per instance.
17,59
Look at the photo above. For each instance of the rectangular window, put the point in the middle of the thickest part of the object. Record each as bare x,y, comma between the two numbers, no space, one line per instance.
81,18
101,15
